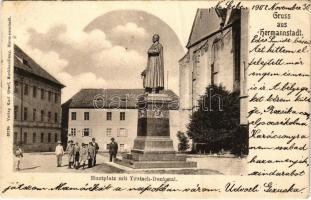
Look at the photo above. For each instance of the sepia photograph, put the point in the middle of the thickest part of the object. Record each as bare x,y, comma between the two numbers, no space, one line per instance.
123,92
155,99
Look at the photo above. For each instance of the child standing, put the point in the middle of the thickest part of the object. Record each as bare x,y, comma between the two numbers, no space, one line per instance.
83,155
18,155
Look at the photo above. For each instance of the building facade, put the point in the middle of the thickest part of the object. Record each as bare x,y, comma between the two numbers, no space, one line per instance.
217,54
37,105
107,113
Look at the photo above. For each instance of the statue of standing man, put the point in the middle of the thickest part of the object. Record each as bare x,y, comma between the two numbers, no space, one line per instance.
153,75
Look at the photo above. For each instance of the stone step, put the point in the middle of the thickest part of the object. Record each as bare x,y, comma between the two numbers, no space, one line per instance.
155,164
154,156
157,157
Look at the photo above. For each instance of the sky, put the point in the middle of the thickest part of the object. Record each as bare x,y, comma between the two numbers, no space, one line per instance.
102,44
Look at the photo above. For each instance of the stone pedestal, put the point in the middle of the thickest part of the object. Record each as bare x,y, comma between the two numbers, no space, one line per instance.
153,147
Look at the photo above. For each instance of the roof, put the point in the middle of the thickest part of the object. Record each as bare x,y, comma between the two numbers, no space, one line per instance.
208,21
113,98
23,62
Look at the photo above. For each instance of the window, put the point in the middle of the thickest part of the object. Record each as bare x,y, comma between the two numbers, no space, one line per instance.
56,98
49,137
55,138
122,132
25,113
107,146
25,62
50,95
42,93
213,74
15,87
73,131
55,118
122,116
73,116
34,91
121,147
42,115
108,132
49,116
109,116
21,137
42,137
34,138
86,116
34,114
25,138
15,112
15,138
86,132
26,89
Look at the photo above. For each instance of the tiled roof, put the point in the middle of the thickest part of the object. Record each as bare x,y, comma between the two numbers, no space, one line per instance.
23,62
113,98
205,23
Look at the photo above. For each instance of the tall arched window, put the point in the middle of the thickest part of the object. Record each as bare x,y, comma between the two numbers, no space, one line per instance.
216,47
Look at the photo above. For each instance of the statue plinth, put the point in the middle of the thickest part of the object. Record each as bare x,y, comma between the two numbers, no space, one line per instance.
153,147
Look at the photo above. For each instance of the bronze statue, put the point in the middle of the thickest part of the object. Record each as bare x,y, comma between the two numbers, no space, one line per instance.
153,75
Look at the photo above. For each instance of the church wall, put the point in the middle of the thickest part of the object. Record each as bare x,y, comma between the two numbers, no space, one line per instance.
199,68
225,62
201,59
174,127
185,87
244,65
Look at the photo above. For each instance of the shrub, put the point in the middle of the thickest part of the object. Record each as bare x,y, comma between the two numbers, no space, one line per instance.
216,122
183,142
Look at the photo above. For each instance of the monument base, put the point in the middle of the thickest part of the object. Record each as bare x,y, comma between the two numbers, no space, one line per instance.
153,147
158,152
155,164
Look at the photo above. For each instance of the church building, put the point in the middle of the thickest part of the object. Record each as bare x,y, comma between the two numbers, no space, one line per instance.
217,54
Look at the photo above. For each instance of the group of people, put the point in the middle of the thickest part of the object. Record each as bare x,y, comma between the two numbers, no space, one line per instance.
84,155
78,156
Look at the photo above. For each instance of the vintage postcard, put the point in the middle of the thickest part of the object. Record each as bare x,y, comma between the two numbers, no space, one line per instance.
155,99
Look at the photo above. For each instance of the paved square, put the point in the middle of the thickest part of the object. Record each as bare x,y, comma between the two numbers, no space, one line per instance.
207,165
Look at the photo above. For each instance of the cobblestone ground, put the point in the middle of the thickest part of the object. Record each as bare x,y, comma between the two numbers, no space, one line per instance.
46,162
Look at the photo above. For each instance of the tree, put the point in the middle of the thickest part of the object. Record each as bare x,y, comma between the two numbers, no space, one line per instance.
183,141
217,119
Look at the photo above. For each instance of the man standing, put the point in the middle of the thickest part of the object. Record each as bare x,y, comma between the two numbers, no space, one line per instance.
91,152
84,155
113,149
95,145
76,153
59,152
70,151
